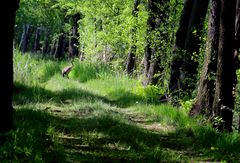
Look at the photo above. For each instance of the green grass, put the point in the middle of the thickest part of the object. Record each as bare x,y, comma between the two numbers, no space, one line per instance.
106,117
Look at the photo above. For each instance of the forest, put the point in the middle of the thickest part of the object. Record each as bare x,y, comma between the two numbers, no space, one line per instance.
120,81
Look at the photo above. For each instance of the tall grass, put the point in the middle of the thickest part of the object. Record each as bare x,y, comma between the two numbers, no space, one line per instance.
85,71
30,69
105,104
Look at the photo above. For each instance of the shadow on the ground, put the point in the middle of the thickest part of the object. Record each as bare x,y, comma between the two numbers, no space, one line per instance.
24,94
42,136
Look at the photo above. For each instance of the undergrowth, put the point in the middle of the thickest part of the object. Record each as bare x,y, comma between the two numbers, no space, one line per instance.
100,114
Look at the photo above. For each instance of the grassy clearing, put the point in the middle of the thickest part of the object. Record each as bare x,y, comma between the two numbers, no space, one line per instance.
104,118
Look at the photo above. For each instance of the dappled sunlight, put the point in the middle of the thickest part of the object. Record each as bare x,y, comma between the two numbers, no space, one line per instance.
108,118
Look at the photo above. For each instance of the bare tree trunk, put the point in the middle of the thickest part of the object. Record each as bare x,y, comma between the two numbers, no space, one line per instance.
223,100
204,99
7,21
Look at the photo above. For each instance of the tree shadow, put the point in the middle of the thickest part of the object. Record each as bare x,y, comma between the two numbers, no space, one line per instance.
101,138
41,135
24,94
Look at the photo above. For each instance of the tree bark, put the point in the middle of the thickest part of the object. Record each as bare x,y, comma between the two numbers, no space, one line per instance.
223,100
237,47
174,84
7,22
192,45
46,47
131,59
204,99
152,59
25,39
183,67
59,51
73,40
36,46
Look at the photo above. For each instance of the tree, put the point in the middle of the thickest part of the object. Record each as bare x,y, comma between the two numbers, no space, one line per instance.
73,40
36,45
205,95
223,99
25,39
183,67
60,46
152,58
7,21
132,52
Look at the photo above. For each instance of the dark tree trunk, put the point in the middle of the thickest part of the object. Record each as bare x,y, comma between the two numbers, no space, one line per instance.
46,47
192,45
53,47
147,59
184,68
7,21
151,27
154,68
174,84
59,51
132,53
131,59
36,46
73,40
152,59
223,100
204,99
237,47
25,39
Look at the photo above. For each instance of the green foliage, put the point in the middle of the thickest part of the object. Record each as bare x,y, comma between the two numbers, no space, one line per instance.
28,66
187,105
84,71
150,93
47,70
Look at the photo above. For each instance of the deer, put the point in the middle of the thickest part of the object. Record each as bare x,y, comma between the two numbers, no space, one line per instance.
66,70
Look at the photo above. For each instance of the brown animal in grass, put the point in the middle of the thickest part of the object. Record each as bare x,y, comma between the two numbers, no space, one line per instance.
66,70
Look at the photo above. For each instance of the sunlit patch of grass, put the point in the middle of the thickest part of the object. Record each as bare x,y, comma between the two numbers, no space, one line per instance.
85,71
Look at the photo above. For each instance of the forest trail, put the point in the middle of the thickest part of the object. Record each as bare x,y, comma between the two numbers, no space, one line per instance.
79,124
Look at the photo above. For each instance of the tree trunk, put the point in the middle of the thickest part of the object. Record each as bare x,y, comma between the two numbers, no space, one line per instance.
204,99
26,36
192,45
223,100
184,68
36,46
46,47
151,27
59,51
174,84
132,53
73,40
7,22
152,59
237,47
